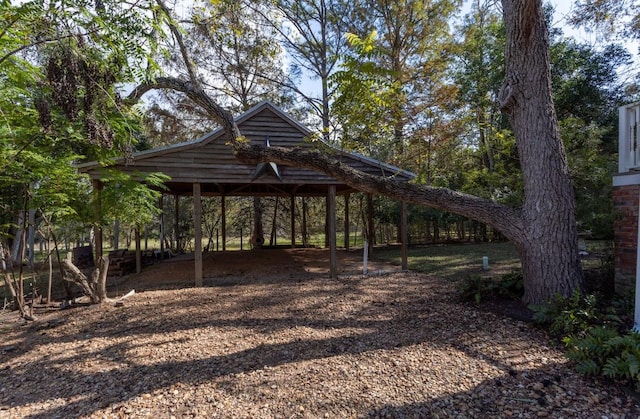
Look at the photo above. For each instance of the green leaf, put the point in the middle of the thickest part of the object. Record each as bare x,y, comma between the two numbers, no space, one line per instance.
588,367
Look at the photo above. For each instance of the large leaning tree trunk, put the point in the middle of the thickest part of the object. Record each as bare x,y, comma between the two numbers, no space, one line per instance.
544,230
548,245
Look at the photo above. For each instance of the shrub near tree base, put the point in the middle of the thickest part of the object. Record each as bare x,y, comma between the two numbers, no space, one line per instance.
596,335
477,287
574,315
604,351
594,330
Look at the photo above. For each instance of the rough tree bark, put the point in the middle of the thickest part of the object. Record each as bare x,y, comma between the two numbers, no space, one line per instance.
544,230
95,288
548,245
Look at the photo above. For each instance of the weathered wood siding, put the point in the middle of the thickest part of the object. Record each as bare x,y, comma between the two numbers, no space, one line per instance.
211,161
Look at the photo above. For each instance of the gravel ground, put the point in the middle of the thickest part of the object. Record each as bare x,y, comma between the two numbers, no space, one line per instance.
396,345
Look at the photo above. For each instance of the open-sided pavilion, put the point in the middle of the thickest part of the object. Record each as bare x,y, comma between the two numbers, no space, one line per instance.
207,167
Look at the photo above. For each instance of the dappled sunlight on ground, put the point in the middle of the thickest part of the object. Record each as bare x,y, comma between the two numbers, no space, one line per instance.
278,340
399,345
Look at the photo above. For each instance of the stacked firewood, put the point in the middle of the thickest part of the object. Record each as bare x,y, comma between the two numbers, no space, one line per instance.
122,262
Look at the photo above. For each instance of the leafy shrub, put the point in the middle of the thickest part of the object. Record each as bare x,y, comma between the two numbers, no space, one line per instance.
591,329
476,287
590,351
604,351
574,315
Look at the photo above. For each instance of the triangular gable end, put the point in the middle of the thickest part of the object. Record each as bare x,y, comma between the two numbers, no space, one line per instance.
210,161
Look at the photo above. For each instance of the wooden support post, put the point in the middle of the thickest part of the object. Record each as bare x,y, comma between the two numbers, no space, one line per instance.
138,251
197,227
404,236
273,237
224,222
176,221
346,222
331,218
161,232
293,221
97,233
257,238
371,231
327,234
304,222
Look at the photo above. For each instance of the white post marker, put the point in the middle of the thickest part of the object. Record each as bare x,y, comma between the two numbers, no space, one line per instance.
365,258
485,263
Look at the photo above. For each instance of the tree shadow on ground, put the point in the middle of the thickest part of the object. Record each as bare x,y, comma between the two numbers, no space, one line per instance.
540,392
346,318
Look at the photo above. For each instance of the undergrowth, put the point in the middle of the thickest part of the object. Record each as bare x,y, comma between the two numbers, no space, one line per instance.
574,315
596,334
594,327
477,287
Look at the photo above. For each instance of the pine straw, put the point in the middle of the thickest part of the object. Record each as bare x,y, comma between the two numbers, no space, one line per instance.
397,345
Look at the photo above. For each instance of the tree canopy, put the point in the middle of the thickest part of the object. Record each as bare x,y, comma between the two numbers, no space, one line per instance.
492,113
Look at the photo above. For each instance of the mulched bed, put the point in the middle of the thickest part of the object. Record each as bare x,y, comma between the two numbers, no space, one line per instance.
395,345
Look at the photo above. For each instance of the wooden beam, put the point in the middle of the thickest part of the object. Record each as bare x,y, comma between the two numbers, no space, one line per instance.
346,221
223,209
161,221
293,221
304,222
197,227
331,227
404,236
371,231
176,221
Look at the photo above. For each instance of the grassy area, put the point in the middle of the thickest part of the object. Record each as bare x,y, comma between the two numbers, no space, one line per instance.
455,261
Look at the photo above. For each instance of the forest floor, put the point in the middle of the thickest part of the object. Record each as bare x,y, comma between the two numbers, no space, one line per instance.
270,335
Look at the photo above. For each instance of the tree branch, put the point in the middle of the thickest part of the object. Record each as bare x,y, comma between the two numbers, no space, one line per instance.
178,36
503,218
197,95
